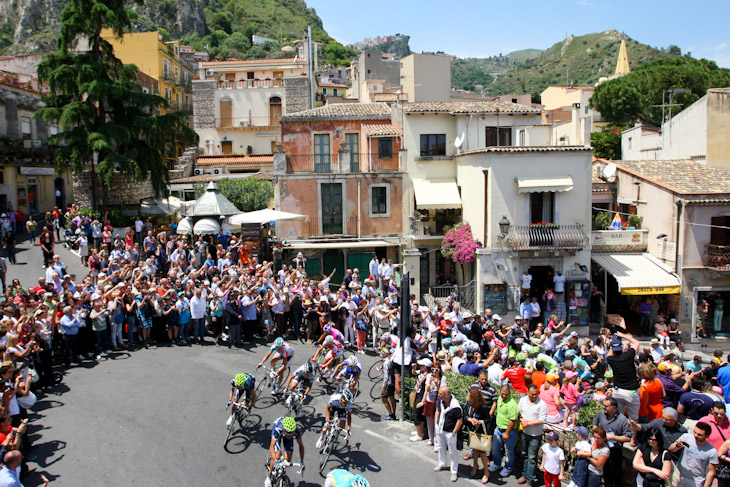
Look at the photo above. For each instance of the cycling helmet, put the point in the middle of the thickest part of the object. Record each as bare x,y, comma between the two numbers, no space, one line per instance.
347,395
329,340
534,350
608,374
279,342
458,339
327,327
289,424
520,356
352,361
386,336
359,481
569,353
308,367
519,341
420,340
240,379
489,334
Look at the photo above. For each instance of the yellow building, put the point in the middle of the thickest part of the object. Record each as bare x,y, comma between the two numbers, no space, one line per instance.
160,60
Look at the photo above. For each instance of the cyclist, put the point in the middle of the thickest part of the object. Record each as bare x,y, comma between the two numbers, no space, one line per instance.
391,342
343,478
340,404
583,369
283,433
329,330
335,349
351,369
242,386
283,351
304,376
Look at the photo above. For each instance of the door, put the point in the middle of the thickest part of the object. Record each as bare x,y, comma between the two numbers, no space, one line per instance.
333,259
227,147
32,195
359,261
226,113
353,144
424,277
331,209
274,110
322,153
542,279
60,192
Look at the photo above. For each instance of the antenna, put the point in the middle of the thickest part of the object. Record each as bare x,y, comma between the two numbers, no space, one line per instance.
459,141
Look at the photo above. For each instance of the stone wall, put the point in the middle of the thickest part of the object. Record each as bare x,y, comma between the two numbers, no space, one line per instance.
296,94
204,104
124,191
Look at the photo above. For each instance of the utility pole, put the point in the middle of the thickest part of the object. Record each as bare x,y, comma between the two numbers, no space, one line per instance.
405,323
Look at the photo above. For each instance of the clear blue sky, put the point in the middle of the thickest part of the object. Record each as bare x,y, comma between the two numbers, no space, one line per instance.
481,28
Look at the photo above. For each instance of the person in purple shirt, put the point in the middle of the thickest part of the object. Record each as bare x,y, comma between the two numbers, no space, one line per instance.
674,392
645,325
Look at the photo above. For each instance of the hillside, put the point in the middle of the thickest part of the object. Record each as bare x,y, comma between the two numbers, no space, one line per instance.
397,44
578,60
224,26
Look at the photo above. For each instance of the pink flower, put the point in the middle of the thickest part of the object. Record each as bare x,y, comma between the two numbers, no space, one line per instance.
459,244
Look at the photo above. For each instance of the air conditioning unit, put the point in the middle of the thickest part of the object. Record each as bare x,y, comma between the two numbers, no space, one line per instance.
217,170
208,141
243,123
199,172
209,72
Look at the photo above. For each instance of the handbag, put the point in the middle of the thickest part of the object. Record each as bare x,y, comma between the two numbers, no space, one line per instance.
722,471
480,441
27,402
412,398
429,409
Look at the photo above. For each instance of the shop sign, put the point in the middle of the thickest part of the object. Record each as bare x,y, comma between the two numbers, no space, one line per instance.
651,290
607,238
39,171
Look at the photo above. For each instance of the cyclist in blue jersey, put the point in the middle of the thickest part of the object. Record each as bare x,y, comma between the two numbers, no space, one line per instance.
243,386
283,433
343,478
339,404
351,368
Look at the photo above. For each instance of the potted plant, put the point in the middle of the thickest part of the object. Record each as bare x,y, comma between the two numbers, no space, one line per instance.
602,220
635,221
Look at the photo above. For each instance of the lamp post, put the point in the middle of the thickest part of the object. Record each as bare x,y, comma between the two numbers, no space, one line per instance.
504,225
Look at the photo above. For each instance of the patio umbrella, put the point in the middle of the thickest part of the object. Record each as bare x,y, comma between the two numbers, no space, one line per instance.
265,216
616,223
185,226
206,226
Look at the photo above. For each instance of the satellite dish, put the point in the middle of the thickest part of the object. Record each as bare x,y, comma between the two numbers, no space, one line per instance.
608,171
459,140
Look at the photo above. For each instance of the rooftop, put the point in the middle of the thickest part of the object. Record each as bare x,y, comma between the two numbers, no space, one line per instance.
541,148
726,91
682,176
238,62
231,160
345,111
380,130
459,107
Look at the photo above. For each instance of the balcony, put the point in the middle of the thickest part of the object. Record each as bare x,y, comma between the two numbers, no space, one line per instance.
250,83
717,257
331,225
372,162
308,163
546,237
246,123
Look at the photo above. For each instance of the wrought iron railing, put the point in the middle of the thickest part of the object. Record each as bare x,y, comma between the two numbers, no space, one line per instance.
547,237
717,256
250,83
305,163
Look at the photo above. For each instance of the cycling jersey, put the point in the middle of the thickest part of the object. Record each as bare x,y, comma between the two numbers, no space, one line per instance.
337,334
301,374
470,346
339,478
337,349
335,403
286,352
393,342
550,363
584,370
249,385
351,371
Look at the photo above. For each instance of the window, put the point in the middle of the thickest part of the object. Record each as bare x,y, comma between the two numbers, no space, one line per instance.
321,153
334,91
324,91
26,128
718,235
379,200
353,145
498,136
542,207
433,144
385,148
522,138
629,142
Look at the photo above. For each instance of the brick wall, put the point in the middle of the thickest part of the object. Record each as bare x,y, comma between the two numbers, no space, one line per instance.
204,104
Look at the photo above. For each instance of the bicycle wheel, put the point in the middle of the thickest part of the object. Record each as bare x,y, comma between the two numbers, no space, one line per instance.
231,427
376,392
262,385
325,453
376,370
283,481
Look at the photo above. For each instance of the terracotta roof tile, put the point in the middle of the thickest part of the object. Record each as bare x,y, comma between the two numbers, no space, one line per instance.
247,160
204,178
380,130
362,111
236,62
682,176
457,107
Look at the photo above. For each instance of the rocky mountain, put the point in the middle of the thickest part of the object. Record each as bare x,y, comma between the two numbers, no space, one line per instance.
577,60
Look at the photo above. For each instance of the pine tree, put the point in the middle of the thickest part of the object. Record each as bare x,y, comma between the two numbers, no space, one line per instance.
105,121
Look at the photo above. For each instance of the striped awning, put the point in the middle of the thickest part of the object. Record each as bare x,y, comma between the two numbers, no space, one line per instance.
639,273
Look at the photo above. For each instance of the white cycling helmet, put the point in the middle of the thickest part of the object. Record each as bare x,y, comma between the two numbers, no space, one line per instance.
329,340
352,361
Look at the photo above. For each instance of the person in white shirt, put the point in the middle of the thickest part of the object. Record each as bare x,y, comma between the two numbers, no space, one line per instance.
559,285
533,414
657,352
382,270
373,268
526,279
198,309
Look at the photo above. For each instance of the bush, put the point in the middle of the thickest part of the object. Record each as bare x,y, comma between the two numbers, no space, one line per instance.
587,412
602,220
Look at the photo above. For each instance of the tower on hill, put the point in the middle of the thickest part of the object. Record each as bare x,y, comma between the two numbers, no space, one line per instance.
622,66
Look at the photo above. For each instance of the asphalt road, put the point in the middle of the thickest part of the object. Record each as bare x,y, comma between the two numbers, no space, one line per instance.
157,418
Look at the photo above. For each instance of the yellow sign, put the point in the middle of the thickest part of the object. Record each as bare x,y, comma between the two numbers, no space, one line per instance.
651,290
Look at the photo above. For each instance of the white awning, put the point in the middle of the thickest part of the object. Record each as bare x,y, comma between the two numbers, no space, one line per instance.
206,226
544,185
340,244
639,273
185,226
265,216
436,194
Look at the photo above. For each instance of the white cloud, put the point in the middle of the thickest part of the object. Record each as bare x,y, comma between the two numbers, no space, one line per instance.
720,53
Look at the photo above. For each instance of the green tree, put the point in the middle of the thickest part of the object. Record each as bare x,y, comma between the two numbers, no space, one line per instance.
635,96
607,144
248,194
105,121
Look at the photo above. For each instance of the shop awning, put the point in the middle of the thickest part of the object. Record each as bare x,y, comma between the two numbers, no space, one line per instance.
436,194
340,244
544,185
639,273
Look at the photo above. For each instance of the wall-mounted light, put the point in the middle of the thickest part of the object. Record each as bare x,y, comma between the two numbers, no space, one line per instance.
504,225
661,235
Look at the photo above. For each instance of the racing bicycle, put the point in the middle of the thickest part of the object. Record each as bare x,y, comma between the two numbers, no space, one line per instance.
240,415
330,442
279,478
271,379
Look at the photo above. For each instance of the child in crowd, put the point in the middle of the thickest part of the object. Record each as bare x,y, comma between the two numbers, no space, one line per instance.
570,397
600,392
553,461
580,468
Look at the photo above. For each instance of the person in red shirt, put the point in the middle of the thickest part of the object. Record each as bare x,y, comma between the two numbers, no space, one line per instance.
516,375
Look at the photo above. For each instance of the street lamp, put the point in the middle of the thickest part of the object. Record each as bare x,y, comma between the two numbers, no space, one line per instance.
504,225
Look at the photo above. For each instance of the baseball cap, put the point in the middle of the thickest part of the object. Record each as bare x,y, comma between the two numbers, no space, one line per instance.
569,374
426,362
616,344
582,431
496,317
663,366
654,340
553,436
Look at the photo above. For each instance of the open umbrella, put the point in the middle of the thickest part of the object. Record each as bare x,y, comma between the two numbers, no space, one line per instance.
185,227
206,226
616,223
265,216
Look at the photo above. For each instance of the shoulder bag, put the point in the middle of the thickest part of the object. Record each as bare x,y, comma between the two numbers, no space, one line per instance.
479,439
723,470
